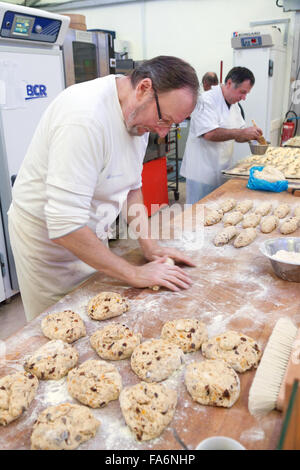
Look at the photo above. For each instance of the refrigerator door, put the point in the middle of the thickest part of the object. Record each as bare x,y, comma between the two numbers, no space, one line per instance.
257,101
30,78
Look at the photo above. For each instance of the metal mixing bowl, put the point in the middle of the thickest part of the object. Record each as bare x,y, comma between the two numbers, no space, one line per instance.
289,271
257,149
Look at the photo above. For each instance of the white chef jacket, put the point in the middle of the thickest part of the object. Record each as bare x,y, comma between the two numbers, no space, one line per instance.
204,160
78,170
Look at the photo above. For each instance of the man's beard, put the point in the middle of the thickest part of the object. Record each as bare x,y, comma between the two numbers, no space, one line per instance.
134,129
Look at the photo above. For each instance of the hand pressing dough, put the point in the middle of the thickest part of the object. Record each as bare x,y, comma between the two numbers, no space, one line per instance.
169,261
213,217
63,427
107,305
187,333
282,210
269,223
95,383
52,361
67,326
245,237
233,218
240,351
156,359
289,226
212,382
244,206
251,220
115,342
16,393
225,235
263,208
227,205
148,409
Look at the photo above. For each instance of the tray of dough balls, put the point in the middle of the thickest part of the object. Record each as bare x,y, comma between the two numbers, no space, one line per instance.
284,159
241,221
292,142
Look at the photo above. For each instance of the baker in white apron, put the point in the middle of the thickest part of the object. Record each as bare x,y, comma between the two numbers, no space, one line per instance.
216,123
83,165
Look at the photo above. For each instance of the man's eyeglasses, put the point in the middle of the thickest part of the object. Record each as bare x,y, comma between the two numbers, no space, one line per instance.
162,122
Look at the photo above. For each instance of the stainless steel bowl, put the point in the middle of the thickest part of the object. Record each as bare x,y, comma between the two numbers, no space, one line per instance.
257,149
289,271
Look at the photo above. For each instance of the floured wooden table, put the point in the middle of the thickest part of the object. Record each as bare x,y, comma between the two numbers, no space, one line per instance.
232,289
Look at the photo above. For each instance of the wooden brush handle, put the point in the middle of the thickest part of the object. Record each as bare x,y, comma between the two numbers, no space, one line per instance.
261,140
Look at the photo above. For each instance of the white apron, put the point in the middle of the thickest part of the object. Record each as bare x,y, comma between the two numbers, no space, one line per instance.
204,160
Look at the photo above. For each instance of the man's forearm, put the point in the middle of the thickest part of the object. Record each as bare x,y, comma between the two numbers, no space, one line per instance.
84,244
137,215
221,135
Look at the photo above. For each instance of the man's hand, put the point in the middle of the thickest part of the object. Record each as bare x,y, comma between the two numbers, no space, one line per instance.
156,252
249,133
157,273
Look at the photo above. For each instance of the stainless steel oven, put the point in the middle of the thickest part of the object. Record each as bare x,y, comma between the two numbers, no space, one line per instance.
87,55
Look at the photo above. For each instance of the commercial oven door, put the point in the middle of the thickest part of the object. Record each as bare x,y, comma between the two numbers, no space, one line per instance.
80,56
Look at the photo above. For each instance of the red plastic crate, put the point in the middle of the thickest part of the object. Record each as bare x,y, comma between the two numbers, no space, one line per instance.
155,184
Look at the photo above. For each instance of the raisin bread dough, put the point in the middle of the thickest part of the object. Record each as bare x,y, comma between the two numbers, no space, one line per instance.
251,220
240,351
289,226
187,333
63,427
225,235
213,216
52,361
264,208
115,342
16,393
245,237
212,382
269,223
282,211
233,218
107,305
227,205
244,206
156,359
95,383
148,409
67,326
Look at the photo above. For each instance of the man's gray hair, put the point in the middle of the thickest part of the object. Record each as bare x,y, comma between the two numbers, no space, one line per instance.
167,73
210,78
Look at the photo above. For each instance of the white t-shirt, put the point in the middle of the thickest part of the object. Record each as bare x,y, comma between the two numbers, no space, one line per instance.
81,163
204,160
77,172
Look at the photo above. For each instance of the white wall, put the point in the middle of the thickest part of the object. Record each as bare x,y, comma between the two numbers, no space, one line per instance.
198,31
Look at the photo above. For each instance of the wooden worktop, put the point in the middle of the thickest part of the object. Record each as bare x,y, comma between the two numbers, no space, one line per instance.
232,289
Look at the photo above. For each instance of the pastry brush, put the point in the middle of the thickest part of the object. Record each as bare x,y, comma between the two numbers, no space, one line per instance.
261,140
278,368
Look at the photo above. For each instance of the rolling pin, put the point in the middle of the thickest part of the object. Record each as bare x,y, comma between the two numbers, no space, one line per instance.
261,140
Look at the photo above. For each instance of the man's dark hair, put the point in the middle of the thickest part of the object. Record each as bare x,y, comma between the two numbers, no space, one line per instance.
239,74
167,73
210,78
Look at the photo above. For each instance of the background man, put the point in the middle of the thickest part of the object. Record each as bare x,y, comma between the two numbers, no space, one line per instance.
216,123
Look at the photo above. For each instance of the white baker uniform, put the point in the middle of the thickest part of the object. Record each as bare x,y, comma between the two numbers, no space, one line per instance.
204,160
77,172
